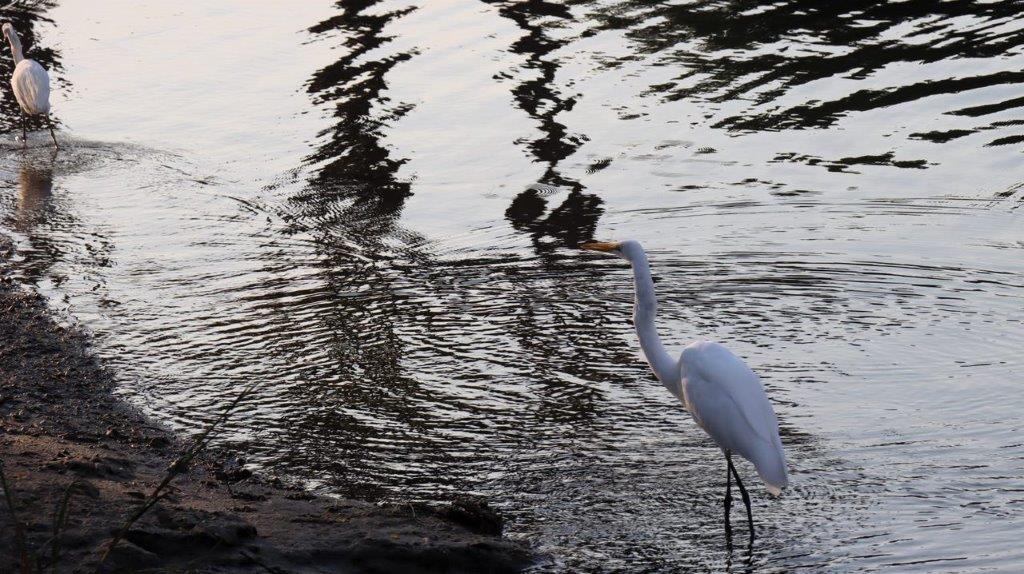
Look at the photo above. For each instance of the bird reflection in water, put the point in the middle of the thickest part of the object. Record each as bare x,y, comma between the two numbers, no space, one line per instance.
35,191
43,221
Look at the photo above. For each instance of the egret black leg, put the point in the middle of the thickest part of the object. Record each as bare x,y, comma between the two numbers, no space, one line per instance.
49,122
745,496
728,497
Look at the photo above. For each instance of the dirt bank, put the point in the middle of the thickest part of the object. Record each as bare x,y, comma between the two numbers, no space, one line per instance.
60,424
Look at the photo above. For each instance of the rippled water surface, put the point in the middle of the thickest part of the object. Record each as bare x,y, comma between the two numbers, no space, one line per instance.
332,200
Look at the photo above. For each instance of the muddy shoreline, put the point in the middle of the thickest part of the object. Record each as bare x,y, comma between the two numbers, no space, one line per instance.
60,425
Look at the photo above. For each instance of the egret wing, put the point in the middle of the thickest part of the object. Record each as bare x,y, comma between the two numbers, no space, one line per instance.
727,400
31,86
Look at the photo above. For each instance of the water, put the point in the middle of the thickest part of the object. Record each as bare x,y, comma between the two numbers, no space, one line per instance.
333,200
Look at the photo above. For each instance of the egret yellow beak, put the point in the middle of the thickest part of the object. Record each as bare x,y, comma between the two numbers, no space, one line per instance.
600,246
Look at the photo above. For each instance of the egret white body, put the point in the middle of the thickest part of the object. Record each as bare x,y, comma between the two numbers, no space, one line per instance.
724,396
31,84
727,400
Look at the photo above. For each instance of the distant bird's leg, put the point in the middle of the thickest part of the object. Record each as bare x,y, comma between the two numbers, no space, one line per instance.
24,131
49,122
746,498
728,496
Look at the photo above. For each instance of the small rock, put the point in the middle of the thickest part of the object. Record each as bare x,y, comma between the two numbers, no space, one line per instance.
172,543
233,470
232,533
248,496
158,441
85,488
127,557
475,514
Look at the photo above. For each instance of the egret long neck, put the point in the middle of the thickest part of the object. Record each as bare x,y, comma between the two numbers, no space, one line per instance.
15,47
644,313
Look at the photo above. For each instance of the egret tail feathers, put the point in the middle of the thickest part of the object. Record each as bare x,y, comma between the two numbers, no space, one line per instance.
772,470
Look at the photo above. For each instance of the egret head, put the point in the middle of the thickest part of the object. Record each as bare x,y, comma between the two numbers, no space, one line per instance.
8,29
625,249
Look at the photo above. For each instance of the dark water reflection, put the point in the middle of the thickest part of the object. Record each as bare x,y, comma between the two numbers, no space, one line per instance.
832,191
759,52
35,190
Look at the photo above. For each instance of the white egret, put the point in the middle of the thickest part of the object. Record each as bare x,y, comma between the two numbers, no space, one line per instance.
723,395
31,85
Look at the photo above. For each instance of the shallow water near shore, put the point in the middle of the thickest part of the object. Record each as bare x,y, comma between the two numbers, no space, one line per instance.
333,200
